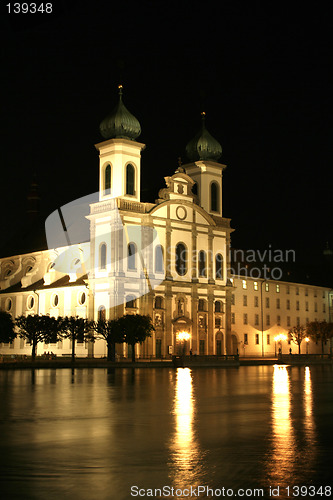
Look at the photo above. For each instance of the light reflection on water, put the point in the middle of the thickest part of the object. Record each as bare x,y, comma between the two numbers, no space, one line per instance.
93,434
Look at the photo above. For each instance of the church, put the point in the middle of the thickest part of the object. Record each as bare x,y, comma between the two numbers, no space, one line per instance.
111,254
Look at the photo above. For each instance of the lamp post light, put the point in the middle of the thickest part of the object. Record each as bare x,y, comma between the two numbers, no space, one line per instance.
307,340
183,337
279,338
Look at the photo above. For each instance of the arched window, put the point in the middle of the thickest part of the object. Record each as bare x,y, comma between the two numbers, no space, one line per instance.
107,180
202,264
218,306
219,266
102,256
201,305
181,259
130,179
158,302
130,301
131,251
159,264
214,197
101,313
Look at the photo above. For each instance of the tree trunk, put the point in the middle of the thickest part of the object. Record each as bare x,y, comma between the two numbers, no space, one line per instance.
33,351
73,348
299,348
133,353
111,351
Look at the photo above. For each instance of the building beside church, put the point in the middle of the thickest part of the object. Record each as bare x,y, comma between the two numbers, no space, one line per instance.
168,259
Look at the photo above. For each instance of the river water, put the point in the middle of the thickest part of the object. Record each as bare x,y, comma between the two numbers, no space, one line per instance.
90,434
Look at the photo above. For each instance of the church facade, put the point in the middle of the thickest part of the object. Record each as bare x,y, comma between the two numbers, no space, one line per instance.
168,259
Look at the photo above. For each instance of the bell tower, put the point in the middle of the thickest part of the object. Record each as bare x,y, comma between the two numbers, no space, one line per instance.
120,154
203,151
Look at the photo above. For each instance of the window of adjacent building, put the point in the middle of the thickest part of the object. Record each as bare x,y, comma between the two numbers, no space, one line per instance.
246,338
159,261
244,300
202,305
288,289
131,257
297,305
297,290
202,261
214,197
268,339
256,301
233,318
181,259
107,180
268,320
277,288
101,313
267,302
278,320
232,299
288,320
315,307
55,300
30,302
256,319
277,303
130,180
245,319
82,298
267,287
130,301
102,256
158,302
255,285
288,304
257,338
218,306
8,304
244,284
219,266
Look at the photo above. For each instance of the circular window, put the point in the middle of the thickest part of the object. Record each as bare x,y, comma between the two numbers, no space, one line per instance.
55,301
31,302
8,304
181,213
82,298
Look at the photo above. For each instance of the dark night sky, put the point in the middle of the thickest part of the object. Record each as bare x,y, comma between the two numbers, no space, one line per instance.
260,71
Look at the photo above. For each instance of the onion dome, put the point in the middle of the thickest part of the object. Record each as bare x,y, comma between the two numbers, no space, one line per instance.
203,146
120,123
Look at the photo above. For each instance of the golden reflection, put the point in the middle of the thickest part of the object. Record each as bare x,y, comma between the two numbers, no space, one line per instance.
186,459
308,406
283,451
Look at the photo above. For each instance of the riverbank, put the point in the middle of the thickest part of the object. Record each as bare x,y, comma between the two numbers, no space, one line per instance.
187,361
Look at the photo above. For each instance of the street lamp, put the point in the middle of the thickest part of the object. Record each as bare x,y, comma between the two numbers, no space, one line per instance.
307,340
183,337
279,338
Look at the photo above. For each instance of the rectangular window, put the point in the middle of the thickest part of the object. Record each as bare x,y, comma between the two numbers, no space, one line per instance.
278,320
244,300
297,305
233,319
306,306
277,303
217,322
288,304
267,287
323,294
288,320
268,320
267,302
255,285
245,319
268,339
288,289
256,301
245,339
257,338
244,285
256,319
277,288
